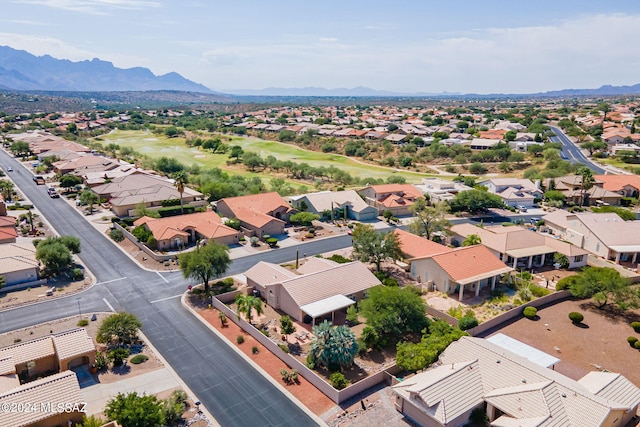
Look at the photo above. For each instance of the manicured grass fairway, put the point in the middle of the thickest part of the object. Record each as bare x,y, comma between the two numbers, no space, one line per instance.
156,146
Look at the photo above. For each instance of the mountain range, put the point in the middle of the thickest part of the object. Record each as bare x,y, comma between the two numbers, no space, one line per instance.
22,71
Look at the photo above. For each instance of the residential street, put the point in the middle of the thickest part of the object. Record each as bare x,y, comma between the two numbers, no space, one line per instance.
572,153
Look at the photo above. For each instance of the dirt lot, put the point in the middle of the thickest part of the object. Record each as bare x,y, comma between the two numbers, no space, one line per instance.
599,343
38,293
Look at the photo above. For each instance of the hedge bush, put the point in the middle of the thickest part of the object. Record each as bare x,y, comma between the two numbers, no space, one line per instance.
636,345
636,326
139,358
565,283
466,323
530,312
338,380
539,292
240,339
576,317
173,211
632,341
83,322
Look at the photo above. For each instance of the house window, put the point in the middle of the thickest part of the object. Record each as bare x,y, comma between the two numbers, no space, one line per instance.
578,258
597,246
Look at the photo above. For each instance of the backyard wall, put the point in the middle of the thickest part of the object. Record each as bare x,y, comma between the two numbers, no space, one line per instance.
144,248
338,396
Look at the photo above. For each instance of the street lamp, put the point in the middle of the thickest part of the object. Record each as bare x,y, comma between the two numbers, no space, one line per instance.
79,311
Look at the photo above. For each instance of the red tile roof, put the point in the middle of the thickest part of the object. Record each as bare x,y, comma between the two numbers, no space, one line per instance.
617,182
471,263
418,247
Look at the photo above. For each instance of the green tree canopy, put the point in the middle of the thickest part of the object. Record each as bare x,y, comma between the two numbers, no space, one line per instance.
474,201
88,197
118,328
134,410
413,357
54,255
604,285
472,240
373,247
429,219
394,311
206,262
335,347
303,218
68,181
245,304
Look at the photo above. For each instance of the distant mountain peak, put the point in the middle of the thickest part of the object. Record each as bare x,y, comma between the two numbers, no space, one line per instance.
20,70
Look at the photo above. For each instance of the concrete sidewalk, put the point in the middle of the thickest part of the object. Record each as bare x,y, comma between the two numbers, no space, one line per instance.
152,382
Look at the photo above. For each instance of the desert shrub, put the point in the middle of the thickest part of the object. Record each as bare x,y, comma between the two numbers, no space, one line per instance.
352,315
339,259
254,349
576,317
83,322
116,235
530,312
467,323
284,347
139,358
271,241
152,243
632,341
77,274
338,380
565,283
636,345
390,281
240,339
479,417
310,362
118,356
636,326
101,361
455,312
538,292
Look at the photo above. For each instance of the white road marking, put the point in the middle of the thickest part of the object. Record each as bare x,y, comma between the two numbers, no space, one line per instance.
108,305
167,298
165,280
111,281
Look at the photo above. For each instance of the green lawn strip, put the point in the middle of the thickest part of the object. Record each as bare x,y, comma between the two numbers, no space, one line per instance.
156,146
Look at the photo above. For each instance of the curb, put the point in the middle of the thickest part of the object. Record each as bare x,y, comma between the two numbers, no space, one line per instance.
186,388
254,364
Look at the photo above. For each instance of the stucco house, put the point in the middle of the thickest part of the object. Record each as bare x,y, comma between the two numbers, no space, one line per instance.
18,263
397,198
180,231
468,268
440,190
318,288
571,187
626,185
513,390
603,234
346,202
259,214
8,232
514,191
520,247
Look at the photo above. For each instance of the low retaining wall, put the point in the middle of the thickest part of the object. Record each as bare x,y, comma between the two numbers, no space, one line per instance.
338,396
25,285
442,316
142,247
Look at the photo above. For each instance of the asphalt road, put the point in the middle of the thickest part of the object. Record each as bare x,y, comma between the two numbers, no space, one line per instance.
229,387
571,152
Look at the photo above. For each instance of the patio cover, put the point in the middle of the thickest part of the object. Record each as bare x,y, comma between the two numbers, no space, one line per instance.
327,305
532,251
523,350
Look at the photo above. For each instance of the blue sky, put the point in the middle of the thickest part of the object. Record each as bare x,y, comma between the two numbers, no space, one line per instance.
474,46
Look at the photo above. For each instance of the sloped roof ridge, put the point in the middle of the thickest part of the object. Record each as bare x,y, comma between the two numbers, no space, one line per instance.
334,267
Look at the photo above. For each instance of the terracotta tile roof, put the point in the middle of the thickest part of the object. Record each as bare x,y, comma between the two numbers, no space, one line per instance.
72,343
7,221
617,182
56,389
400,189
207,224
418,247
471,263
264,203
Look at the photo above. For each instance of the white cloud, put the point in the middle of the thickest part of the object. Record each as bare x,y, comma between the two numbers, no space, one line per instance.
328,39
94,7
42,45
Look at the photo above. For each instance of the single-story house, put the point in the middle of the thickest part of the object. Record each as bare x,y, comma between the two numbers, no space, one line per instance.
125,193
318,288
483,143
626,185
397,198
259,214
440,190
342,203
57,352
180,231
514,191
515,391
603,234
470,268
413,246
18,263
85,161
8,232
570,186
520,247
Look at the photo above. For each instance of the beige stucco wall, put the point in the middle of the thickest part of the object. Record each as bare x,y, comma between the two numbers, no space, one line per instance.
428,270
21,276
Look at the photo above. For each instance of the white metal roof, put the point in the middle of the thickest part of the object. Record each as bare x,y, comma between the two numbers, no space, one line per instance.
327,305
523,350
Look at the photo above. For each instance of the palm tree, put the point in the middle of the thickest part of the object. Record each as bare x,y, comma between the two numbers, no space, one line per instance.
586,183
472,240
334,347
246,303
180,179
6,188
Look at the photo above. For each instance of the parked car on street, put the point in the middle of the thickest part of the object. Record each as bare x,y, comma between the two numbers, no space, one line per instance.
53,193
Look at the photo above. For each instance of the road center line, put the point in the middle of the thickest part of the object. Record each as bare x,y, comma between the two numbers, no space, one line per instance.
108,305
165,280
111,281
167,298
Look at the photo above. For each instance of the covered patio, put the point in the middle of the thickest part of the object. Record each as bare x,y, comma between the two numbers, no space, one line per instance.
478,282
528,258
325,306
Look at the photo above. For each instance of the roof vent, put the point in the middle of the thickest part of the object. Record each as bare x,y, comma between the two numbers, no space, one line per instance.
563,395
524,381
498,361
